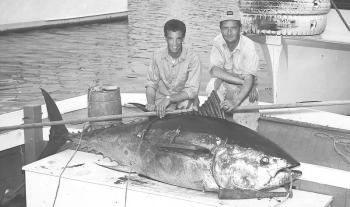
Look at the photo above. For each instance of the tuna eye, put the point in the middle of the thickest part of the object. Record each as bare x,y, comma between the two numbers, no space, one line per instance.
264,161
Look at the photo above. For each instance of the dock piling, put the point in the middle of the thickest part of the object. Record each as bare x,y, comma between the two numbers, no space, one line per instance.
33,137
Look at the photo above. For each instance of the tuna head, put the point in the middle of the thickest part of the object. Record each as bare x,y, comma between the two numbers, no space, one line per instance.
246,168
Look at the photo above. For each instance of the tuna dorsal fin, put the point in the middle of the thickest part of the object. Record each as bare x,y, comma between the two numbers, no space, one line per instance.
58,133
211,107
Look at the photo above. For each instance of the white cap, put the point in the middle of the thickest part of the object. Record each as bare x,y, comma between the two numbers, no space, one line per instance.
231,14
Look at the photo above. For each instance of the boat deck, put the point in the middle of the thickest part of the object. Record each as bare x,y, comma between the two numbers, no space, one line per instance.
83,180
295,128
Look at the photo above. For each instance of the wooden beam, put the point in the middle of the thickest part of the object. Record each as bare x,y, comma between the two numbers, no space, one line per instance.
33,137
240,109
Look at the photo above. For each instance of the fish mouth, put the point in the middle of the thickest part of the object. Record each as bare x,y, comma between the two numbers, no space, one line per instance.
282,177
295,174
293,165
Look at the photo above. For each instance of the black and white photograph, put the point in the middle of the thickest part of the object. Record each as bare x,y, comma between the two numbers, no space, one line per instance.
191,103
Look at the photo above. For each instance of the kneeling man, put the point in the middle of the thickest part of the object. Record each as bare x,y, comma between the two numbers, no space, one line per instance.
173,77
234,63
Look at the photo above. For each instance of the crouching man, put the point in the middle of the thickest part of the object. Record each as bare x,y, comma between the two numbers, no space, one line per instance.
173,77
234,63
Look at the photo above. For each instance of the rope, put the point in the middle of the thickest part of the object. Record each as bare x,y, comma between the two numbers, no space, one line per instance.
337,140
289,193
340,15
141,135
127,186
65,167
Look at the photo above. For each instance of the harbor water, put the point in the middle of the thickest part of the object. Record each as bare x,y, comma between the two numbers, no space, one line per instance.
67,61
63,61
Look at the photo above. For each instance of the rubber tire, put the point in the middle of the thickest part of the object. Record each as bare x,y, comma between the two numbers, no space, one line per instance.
289,25
295,7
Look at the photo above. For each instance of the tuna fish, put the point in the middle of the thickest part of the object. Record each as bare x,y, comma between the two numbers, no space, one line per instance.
190,150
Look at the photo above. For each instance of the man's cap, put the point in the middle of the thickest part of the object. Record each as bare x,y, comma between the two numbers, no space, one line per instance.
231,14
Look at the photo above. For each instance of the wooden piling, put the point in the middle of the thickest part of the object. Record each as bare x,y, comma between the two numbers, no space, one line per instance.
33,137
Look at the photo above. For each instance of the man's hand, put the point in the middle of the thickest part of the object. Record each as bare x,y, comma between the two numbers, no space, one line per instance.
150,107
161,107
254,94
229,106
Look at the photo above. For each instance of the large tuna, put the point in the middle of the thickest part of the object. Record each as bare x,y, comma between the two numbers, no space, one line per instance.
188,150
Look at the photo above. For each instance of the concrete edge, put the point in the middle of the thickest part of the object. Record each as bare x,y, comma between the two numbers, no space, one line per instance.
28,26
302,124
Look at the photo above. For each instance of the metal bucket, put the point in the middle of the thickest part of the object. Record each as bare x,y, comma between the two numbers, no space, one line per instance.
104,101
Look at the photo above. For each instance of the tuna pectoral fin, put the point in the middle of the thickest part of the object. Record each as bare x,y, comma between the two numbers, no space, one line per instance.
120,168
58,133
248,194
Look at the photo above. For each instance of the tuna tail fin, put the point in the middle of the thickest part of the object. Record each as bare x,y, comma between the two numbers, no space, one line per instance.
211,107
58,133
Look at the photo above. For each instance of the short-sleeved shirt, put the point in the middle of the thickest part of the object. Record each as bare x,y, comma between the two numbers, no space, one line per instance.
180,75
243,60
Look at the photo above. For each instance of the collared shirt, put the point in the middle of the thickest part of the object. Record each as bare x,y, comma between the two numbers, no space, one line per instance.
181,75
243,60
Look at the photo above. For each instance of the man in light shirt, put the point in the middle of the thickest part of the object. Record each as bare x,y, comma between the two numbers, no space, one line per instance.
233,66
173,77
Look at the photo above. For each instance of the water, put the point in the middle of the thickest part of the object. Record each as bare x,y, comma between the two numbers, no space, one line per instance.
66,61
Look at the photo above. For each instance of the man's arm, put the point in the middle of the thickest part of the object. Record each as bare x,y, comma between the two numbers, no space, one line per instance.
190,90
230,78
151,85
165,102
181,96
174,98
217,62
242,95
193,79
246,88
150,95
